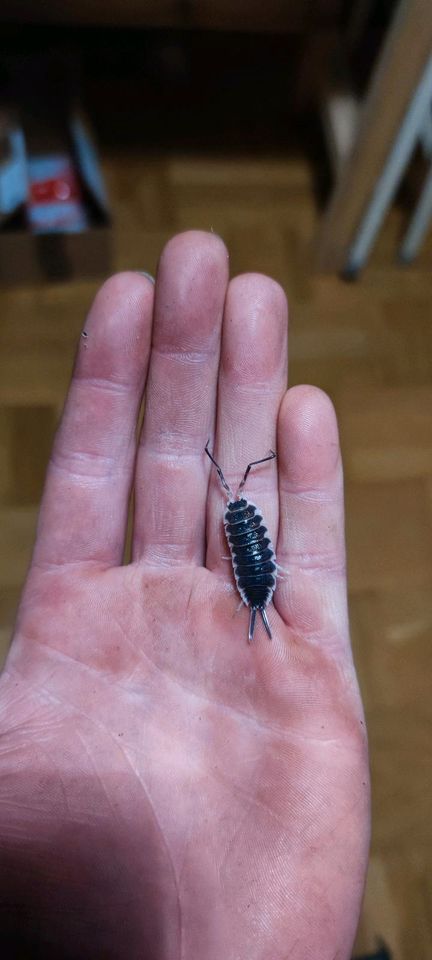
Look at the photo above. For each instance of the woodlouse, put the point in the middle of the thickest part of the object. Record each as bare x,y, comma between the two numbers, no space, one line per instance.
252,553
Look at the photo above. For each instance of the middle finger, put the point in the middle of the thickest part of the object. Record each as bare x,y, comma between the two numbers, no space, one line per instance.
171,475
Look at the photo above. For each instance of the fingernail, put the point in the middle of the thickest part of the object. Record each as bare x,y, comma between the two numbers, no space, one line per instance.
144,273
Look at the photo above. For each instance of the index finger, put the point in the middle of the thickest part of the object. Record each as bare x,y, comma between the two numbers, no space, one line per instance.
85,503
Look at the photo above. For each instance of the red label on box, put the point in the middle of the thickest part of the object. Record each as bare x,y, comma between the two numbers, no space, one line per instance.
55,190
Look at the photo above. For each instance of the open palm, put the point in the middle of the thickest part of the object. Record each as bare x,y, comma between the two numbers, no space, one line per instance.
168,791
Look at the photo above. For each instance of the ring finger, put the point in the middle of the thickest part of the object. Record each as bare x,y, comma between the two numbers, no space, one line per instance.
252,382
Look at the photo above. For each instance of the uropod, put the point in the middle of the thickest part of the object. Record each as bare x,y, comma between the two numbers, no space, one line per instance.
252,553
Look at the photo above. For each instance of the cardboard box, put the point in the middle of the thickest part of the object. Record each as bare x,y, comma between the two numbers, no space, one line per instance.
34,245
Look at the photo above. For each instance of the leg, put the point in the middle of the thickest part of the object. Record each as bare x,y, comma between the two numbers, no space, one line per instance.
419,223
265,622
254,464
252,617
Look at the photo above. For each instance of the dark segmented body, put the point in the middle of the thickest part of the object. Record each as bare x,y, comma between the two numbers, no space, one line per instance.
252,553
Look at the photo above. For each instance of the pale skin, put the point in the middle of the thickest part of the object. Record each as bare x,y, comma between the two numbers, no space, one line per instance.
169,791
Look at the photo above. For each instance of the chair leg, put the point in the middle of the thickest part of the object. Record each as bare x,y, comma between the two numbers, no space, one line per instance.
388,181
419,223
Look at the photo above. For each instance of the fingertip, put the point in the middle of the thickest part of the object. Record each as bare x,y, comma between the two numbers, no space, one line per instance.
196,247
116,334
191,286
255,331
308,404
127,284
261,286
308,437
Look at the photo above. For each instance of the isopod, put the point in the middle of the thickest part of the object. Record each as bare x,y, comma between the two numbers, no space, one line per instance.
252,553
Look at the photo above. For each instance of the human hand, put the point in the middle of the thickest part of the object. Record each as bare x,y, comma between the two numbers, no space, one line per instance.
169,791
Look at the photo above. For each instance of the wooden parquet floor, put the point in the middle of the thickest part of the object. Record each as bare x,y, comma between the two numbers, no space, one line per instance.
369,345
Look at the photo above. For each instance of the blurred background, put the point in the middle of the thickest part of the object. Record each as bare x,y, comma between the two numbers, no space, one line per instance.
301,132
